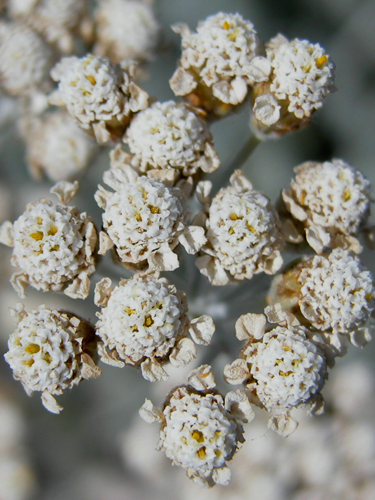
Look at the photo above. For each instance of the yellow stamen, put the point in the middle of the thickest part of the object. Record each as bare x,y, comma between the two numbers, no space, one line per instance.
320,62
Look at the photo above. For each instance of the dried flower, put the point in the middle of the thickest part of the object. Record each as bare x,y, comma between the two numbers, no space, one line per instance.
51,351
171,136
144,322
331,201
242,233
301,76
283,368
99,95
145,220
56,146
218,62
25,60
334,294
125,29
53,245
200,430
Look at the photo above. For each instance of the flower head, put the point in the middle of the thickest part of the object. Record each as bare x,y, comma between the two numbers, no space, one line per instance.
51,351
242,234
98,94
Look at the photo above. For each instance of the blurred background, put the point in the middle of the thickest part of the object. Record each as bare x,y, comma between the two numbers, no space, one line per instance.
98,448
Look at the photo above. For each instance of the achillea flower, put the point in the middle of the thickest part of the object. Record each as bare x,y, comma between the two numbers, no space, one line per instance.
331,202
51,351
282,369
53,245
301,76
145,220
144,322
125,29
200,430
99,95
169,136
334,294
25,60
56,146
242,233
218,62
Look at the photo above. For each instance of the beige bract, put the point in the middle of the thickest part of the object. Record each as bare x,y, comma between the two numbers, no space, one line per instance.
25,60
125,29
51,351
200,430
56,146
282,369
171,136
145,220
242,233
56,20
99,95
334,294
301,76
218,62
53,245
144,322
331,201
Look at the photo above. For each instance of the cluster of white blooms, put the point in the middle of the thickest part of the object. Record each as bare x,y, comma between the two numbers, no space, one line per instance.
25,60
301,76
144,322
331,201
200,430
171,136
99,95
242,233
51,351
53,245
56,146
218,62
125,29
56,20
283,368
145,220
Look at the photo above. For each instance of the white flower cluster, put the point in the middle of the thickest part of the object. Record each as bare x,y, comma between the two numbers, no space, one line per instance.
217,62
242,233
283,368
301,76
144,322
171,136
145,220
25,60
53,245
56,146
99,95
200,431
332,202
51,351
125,29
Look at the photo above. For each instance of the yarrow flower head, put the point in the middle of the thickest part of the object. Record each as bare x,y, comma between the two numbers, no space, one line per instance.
200,430
144,322
144,220
283,368
218,62
125,29
242,233
334,294
53,245
99,95
171,136
301,76
25,60
51,351
331,202
56,146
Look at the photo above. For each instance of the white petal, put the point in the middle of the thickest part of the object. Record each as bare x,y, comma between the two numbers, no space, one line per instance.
221,475
163,260
266,109
201,329
79,288
203,191
284,425
118,177
105,243
183,353
250,325
192,239
236,372
153,371
240,182
50,403
109,358
276,314
201,378
101,132
89,368
138,98
6,234
182,82
238,404
294,208
317,238
20,282
103,290
149,413
211,268
65,191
